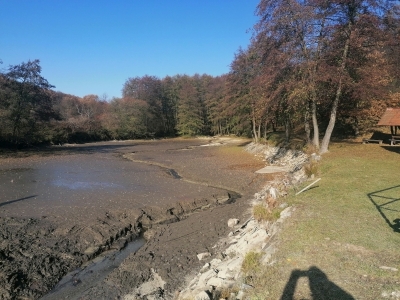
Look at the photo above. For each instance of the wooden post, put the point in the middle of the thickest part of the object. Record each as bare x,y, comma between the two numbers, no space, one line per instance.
308,186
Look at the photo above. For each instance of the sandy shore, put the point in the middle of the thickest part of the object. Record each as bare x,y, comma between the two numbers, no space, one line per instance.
202,188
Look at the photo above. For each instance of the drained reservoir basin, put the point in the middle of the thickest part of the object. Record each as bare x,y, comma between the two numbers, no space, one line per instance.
82,208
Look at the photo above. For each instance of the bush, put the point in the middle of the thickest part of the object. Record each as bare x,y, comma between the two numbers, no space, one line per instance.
312,168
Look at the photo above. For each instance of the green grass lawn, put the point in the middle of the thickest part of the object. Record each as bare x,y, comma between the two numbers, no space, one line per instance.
343,231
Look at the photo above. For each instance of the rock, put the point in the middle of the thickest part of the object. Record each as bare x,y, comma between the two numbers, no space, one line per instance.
202,296
226,274
204,277
205,268
283,205
215,282
240,295
225,199
273,192
91,250
204,255
233,222
215,262
287,212
246,286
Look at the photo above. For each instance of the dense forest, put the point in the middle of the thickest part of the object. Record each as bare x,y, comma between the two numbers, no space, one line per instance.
327,67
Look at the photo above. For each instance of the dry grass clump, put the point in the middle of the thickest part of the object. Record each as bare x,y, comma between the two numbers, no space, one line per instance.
226,293
311,169
251,262
262,213
310,149
267,211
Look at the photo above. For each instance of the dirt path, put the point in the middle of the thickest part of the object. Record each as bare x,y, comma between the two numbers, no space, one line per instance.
185,213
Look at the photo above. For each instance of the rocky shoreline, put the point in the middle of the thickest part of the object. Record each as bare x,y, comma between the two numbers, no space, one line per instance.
221,276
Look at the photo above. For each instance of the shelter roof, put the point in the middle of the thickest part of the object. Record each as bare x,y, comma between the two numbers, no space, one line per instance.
391,117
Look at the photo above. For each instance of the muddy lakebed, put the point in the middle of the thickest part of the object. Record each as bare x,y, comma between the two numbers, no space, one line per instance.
96,221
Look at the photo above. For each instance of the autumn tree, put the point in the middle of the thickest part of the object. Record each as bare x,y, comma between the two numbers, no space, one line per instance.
330,46
244,70
25,102
148,89
214,104
169,99
127,118
190,110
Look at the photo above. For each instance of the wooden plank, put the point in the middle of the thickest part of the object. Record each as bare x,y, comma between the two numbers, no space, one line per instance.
366,141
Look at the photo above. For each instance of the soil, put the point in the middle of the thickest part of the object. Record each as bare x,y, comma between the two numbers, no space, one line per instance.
183,197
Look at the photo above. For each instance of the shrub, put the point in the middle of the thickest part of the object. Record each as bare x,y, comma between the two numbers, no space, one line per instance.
311,168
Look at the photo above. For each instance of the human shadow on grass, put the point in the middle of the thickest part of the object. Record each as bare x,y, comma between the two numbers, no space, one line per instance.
387,205
16,200
320,286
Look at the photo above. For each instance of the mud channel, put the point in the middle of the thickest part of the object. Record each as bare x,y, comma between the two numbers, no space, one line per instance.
96,221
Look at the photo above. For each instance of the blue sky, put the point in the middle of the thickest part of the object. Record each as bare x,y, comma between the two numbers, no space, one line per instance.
94,46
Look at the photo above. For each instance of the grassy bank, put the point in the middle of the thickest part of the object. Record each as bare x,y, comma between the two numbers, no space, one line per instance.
343,241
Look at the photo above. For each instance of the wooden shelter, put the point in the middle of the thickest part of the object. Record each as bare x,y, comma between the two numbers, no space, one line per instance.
391,118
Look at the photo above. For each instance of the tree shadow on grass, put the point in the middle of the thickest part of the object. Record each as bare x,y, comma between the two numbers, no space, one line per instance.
16,200
378,135
320,286
387,202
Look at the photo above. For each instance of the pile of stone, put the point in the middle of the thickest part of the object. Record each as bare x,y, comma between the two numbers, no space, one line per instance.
292,159
221,276
221,273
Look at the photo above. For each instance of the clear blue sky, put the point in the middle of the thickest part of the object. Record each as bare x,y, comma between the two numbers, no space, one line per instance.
94,46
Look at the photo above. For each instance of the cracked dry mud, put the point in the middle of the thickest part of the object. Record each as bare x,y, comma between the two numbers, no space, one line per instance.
65,209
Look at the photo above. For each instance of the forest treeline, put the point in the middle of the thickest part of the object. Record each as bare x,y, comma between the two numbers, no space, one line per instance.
327,67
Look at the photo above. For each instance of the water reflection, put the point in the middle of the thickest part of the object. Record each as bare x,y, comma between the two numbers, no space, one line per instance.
76,185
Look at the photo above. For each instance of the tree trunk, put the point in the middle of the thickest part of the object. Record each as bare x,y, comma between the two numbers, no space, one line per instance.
315,140
335,104
315,123
307,124
265,130
287,130
254,126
